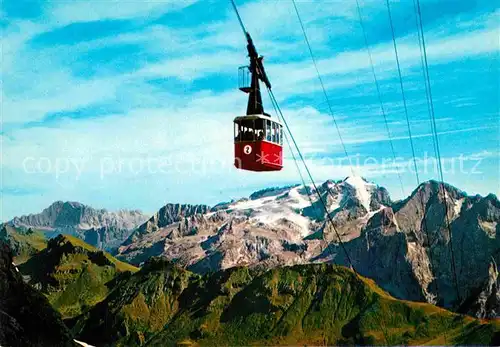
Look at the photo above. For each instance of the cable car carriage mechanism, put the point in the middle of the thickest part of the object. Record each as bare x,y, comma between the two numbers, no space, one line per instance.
258,139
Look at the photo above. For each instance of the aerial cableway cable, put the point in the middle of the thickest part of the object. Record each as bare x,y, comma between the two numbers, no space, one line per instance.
320,198
327,99
239,18
424,75
424,220
438,153
402,91
424,217
433,128
382,108
291,152
313,184
322,86
306,187
424,224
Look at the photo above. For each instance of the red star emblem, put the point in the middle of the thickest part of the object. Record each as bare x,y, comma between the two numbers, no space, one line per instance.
262,157
277,158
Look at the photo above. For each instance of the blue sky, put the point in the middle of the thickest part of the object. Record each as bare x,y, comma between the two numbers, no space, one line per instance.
130,104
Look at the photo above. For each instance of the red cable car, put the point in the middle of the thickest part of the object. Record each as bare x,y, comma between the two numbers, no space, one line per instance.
258,142
258,139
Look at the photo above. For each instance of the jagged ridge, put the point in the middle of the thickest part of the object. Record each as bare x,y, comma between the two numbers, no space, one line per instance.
83,221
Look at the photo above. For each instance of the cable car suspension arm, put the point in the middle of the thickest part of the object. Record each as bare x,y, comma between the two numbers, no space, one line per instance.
257,71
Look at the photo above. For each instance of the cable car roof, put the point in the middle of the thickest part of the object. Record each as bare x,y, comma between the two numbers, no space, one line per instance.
256,116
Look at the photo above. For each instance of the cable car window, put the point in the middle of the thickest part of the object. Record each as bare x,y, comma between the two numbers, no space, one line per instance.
246,130
237,132
248,134
250,131
274,132
268,130
259,129
278,134
244,134
281,135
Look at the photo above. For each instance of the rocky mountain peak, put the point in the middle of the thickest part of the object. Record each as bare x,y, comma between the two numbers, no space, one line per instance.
382,221
167,215
100,227
431,192
76,215
172,213
267,192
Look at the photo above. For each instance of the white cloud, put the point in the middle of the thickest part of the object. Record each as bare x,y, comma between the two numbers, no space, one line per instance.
192,67
62,93
63,12
197,125
451,48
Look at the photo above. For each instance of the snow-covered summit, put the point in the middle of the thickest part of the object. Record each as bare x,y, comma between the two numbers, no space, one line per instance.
269,226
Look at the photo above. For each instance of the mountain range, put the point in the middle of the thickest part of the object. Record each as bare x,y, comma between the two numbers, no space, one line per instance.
405,246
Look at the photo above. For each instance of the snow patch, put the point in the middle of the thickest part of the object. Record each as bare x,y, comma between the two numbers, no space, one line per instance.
489,227
272,217
272,209
297,200
336,203
457,207
209,214
363,190
251,204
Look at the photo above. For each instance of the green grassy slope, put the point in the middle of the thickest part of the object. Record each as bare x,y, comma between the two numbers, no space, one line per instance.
163,305
23,243
72,274
139,305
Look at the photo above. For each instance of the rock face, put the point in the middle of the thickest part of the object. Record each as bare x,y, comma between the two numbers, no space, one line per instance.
486,304
101,228
412,256
405,246
167,215
106,237
26,318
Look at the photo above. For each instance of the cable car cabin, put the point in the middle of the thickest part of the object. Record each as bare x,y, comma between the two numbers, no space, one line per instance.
258,143
258,139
